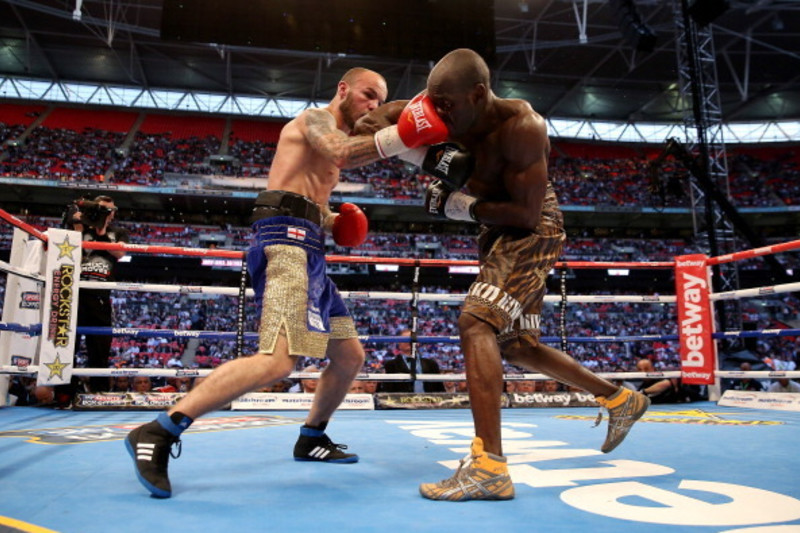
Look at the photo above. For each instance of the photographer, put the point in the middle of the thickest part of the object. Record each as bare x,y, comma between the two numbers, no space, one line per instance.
93,218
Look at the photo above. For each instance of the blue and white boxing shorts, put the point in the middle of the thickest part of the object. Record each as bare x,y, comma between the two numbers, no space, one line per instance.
286,260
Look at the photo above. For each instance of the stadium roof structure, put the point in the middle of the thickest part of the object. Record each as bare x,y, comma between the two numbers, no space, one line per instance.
567,57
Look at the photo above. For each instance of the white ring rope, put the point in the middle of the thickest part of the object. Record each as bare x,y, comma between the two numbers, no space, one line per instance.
202,372
758,374
366,295
19,272
756,291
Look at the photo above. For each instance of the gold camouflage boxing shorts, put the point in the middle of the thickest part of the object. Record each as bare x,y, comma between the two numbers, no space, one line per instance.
509,291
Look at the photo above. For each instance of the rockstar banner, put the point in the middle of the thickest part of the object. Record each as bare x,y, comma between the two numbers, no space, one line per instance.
60,307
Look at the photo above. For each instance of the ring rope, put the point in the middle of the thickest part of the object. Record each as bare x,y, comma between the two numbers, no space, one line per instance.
238,254
35,329
785,332
414,304
757,291
202,372
426,296
368,295
11,269
31,329
24,226
562,322
228,335
758,374
240,310
755,252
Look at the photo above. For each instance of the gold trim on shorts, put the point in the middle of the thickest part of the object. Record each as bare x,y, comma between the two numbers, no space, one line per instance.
285,304
343,327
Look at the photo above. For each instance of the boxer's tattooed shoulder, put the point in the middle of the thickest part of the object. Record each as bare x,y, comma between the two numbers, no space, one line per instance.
319,123
326,138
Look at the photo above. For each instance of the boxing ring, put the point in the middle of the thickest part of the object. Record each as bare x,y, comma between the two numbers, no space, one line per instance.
67,470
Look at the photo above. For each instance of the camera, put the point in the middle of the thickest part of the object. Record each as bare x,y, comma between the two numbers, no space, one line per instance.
93,214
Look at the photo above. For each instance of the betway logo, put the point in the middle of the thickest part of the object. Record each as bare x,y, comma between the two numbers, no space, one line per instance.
692,325
690,262
692,374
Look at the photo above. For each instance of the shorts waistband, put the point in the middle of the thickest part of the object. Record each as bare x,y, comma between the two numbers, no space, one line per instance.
288,230
286,204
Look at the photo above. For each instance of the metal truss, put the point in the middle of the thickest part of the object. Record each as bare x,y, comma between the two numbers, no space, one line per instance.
705,140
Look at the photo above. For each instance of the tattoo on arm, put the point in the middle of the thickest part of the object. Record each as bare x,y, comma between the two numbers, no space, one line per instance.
336,145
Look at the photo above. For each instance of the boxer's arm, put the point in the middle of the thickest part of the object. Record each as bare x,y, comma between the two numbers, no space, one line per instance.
458,165
379,118
418,125
525,149
334,144
328,216
658,387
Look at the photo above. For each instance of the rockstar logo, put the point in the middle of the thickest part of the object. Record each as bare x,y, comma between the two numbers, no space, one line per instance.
56,368
65,248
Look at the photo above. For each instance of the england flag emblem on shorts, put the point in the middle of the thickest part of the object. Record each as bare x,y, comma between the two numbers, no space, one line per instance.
298,234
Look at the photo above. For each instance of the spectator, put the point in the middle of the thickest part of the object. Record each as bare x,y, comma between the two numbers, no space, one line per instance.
664,390
747,383
357,387
120,384
142,384
94,220
551,385
784,385
526,386
403,362
309,385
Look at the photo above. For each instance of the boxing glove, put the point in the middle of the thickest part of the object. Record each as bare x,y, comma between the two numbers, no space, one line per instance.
350,226
418,124
443,201
449,162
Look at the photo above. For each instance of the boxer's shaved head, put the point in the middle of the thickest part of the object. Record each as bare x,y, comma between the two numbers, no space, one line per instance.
462,69
352,75
459,87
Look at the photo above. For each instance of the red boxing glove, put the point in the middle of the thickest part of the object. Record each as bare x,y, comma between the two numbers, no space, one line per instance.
418,125
350,226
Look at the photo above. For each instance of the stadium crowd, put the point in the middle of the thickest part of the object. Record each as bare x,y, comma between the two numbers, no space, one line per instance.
90,154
